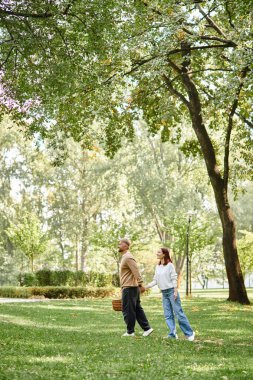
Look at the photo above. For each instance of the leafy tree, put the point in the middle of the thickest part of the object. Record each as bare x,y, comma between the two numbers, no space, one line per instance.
208,263
78,192
10,261
28,236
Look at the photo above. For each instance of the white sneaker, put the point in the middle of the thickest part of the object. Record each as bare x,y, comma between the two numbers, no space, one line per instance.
148,332
191,338
126,334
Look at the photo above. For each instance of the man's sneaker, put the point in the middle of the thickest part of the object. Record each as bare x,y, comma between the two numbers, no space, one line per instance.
148,332
191,338
126,334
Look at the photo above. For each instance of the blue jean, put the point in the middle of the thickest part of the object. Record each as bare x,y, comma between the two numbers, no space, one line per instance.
173,306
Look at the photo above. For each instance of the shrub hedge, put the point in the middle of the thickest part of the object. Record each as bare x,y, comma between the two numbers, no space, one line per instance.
46,277
57,292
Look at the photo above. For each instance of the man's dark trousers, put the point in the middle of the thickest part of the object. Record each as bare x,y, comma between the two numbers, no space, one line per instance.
132,310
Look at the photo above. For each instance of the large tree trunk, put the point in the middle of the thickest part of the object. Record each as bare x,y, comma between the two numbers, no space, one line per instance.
237,290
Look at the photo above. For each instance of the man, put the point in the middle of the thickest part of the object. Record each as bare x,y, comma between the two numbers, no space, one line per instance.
131,284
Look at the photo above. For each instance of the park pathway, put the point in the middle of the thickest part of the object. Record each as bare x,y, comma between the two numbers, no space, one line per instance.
11,300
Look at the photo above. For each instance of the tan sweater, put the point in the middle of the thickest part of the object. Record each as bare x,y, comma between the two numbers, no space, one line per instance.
129,272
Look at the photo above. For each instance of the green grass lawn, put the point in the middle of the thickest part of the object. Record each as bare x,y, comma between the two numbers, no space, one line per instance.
81,339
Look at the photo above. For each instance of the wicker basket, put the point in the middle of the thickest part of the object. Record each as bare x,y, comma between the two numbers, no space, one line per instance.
117,305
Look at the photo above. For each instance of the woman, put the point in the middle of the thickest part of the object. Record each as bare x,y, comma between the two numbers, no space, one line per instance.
166,279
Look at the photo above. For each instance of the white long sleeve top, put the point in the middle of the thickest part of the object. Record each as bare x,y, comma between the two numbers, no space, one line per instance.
165,277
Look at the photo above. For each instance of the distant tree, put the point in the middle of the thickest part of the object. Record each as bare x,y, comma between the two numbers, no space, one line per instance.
109,231
28,237
245,247
166,186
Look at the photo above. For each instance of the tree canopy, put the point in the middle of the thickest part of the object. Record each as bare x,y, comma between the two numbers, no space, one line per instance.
69,64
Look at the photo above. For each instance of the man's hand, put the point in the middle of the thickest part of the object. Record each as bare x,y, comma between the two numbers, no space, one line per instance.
142,289
175,293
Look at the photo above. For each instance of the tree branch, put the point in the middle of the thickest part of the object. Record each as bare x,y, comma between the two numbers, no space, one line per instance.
157,224
152,9
66,10
210,38
26,22
145,31
218,69
63,40
6,41
243,118
78,18
7,57
35,15
175,51
174,66
211,22
229,15
202,47
175,92
24,14
7,27
230,124
139,64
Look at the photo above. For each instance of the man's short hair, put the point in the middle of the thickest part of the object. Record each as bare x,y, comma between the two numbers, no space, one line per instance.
126,241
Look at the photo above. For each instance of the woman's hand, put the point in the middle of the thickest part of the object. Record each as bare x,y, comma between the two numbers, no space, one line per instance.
175,293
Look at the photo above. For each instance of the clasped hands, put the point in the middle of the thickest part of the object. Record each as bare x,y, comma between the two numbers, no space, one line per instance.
143,289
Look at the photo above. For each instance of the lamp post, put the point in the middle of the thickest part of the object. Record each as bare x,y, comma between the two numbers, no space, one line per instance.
187,258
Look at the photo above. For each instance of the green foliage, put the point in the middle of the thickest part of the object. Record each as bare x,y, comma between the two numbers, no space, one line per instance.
245,248
28,279
191,148
56,292
111,69
46,277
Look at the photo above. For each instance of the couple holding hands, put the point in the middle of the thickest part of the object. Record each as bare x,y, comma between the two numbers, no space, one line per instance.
132,285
